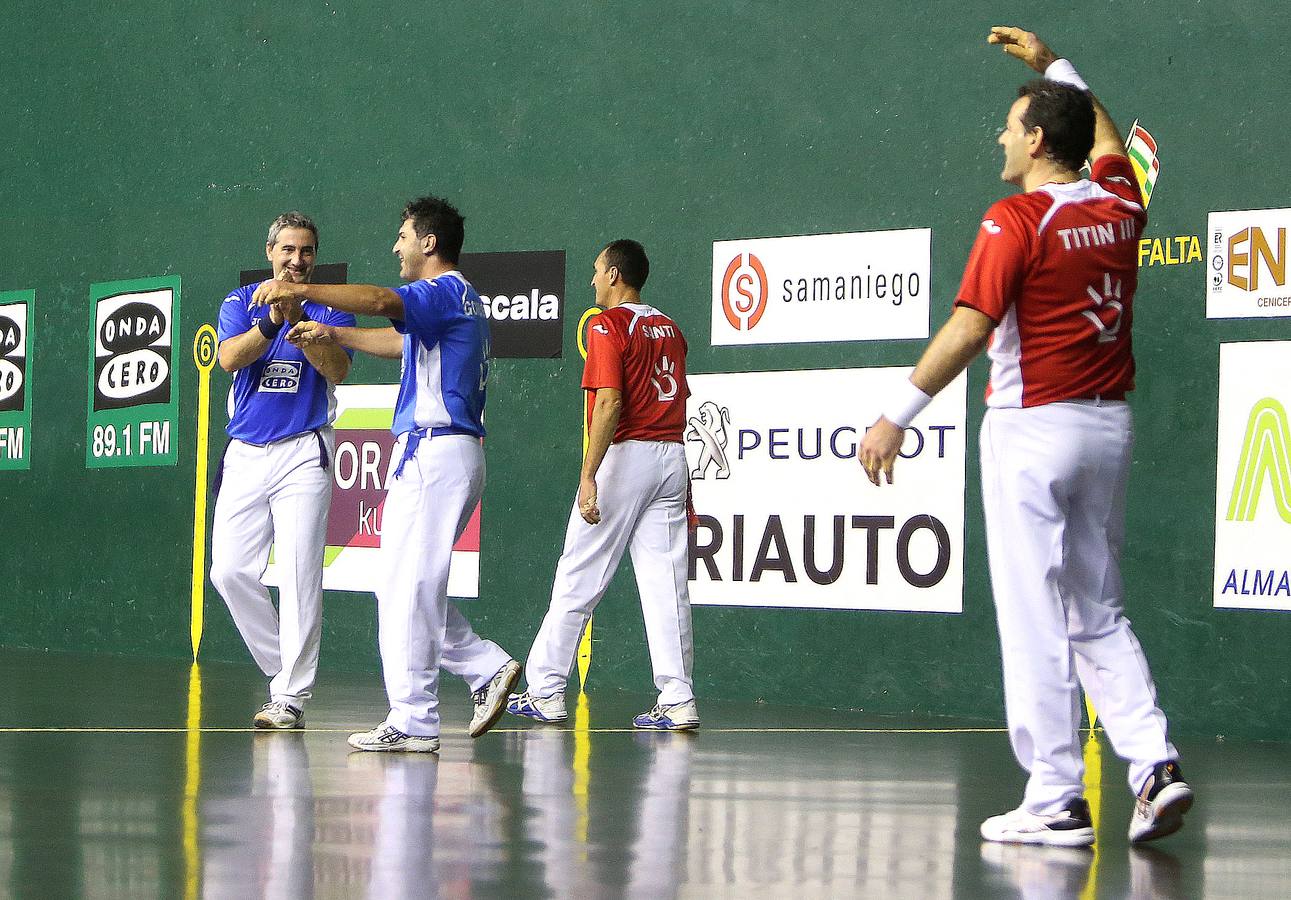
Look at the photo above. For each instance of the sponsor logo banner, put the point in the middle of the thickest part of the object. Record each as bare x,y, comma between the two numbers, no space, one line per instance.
1248,264
133,411
360,477
15,379
523,294
787,517
1253,478
865,286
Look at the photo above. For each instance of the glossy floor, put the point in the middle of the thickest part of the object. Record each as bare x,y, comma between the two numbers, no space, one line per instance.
121,778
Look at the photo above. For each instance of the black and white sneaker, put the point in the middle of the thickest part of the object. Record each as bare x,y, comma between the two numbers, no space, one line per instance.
1161,803
387,738
1071,827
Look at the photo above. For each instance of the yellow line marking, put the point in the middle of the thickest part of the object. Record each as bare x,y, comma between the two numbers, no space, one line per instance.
204,345
351,729
1093,753
192,784
585,642
582,769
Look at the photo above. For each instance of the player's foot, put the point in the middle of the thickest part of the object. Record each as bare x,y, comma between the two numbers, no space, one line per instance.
491,700
682,716
386,738
540,709
279,715
1070,827
1161,803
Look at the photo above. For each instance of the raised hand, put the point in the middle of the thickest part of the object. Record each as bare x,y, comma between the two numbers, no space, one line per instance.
1023,45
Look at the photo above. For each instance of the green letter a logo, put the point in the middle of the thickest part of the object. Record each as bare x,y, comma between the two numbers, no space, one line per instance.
1266,453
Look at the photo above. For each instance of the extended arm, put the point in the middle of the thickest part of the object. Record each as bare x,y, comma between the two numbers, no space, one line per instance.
605,419
383,342
1026,46
360,299
956,345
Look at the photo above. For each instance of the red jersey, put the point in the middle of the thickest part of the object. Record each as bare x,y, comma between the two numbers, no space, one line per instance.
639,351
1056,269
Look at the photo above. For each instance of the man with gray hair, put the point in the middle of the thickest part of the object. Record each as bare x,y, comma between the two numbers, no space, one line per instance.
274,484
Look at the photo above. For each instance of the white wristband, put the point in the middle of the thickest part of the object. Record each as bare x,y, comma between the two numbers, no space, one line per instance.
1063,72
906,403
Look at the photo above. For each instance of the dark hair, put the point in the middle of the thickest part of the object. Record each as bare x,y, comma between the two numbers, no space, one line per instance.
433,215
291,219
630,259
1067,116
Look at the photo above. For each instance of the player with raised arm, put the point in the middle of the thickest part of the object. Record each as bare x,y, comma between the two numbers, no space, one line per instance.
437,472
1050,285
274,486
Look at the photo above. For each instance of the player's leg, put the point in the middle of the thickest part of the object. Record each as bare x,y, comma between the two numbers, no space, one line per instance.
588,562
240,537
1026,464
1111,663
299,499
659,550
421,520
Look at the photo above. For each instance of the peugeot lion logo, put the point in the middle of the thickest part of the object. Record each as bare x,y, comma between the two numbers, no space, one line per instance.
708,429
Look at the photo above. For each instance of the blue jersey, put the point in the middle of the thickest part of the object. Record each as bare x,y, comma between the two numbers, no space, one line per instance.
280,394
445,358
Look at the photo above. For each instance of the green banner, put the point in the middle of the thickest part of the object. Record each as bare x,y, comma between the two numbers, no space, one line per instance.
132,415
15,379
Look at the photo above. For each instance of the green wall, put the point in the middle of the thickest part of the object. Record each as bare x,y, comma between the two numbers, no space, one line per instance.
161,138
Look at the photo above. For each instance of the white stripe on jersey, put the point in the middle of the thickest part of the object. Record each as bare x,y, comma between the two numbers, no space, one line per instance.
1077,192
430,411
640,311
1006,357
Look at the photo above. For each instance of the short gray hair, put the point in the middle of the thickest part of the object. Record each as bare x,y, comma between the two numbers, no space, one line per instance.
292,219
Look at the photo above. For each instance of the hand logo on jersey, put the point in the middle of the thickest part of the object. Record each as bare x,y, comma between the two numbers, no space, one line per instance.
990,226
708,430
664,380
1107,299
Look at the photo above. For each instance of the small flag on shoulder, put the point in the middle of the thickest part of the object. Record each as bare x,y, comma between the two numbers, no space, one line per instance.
1143,157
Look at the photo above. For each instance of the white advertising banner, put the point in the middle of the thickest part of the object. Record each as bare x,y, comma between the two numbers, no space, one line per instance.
866,286
787,516
1247,276
364,444
1253,478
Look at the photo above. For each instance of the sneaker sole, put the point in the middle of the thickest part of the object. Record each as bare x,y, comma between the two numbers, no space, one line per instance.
687,726
1168,810
1075,837
274,726
538,717
502,703
404,747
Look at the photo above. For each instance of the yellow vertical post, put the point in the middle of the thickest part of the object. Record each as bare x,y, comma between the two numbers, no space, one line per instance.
204,345
585,642
1094,796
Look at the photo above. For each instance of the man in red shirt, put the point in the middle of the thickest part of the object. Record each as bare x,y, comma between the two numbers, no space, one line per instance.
1050,283
631,495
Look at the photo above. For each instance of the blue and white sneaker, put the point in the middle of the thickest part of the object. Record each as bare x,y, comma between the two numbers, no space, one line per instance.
540,709
673,717
388,739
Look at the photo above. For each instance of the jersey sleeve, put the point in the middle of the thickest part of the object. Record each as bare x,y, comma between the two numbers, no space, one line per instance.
997,263
1115,174
234,318
423,308
604,366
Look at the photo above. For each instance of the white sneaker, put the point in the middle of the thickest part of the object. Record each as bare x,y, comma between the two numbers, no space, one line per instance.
1071,827
682,716
540,709
387,738
491,700
279,715
1161,803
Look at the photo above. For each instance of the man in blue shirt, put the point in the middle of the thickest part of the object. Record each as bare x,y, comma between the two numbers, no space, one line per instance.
442,336
275,485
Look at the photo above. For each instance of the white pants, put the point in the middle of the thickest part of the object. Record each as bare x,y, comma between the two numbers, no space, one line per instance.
278,494
1053,488
426,510
641,492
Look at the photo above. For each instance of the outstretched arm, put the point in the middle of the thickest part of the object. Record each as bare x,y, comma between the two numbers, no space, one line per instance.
1027,46
360,299
383,342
